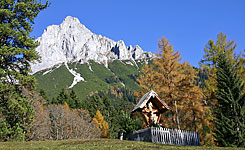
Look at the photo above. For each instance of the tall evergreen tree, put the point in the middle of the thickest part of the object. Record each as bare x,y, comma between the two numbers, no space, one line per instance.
209,63
17,50
93,104
74,102
127,123
229,113
43,94
63,96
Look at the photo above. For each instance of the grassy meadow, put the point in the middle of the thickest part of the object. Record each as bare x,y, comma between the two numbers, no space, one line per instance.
100,144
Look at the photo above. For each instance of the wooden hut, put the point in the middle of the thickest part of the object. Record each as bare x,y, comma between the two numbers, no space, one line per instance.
151,106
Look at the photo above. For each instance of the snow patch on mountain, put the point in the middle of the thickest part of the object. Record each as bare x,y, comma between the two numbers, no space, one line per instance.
71,41
77,76
129,63
136,64
48,71
122,62
90,68
51,69
122,84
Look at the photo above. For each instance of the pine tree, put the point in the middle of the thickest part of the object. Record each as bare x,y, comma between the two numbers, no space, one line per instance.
94,103
75,101
53,101
240,63
16,23
209,63
111,115
63,96
127,123
214,49
229,113
43,94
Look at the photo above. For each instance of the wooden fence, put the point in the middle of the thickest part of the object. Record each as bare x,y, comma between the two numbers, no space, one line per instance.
166,136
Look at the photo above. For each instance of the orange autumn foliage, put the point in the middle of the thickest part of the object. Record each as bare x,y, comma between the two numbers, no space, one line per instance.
101,123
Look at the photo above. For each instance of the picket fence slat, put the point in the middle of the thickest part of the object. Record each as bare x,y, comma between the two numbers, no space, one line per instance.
166,136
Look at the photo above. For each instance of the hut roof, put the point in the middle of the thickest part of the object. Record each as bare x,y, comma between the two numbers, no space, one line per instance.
150,95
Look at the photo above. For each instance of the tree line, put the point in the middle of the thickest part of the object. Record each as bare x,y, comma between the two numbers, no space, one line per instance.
113,105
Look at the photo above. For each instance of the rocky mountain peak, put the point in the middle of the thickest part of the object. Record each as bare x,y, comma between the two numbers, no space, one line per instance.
72,41
70,20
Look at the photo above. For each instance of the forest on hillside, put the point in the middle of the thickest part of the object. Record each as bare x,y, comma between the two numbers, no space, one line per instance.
209,100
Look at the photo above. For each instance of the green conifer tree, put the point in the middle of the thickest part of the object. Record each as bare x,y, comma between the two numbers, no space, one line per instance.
43,94
63,96
110,114
75,102
94,103
229,113
17,50
128,123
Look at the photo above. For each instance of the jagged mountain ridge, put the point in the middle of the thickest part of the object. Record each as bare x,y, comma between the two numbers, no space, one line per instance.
71,41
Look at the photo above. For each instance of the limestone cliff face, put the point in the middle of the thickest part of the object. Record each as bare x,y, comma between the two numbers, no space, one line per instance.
71,41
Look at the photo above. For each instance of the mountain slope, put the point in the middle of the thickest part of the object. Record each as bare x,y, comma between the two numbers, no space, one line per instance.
97,77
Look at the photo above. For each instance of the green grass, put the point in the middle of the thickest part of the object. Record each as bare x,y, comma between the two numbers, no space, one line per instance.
124,72
54,81
100,144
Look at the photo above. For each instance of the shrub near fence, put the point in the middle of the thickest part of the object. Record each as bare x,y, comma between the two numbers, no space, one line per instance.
166,136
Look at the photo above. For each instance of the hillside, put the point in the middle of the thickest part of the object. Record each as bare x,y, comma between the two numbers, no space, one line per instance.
96,77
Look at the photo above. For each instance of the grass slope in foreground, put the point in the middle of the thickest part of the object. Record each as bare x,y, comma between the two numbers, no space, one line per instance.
101,144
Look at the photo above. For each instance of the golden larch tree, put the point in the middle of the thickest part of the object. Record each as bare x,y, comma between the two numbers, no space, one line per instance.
175,84
146,80
167,79
101,123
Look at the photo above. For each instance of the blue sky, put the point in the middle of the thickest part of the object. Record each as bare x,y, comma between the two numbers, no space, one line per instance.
188,24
